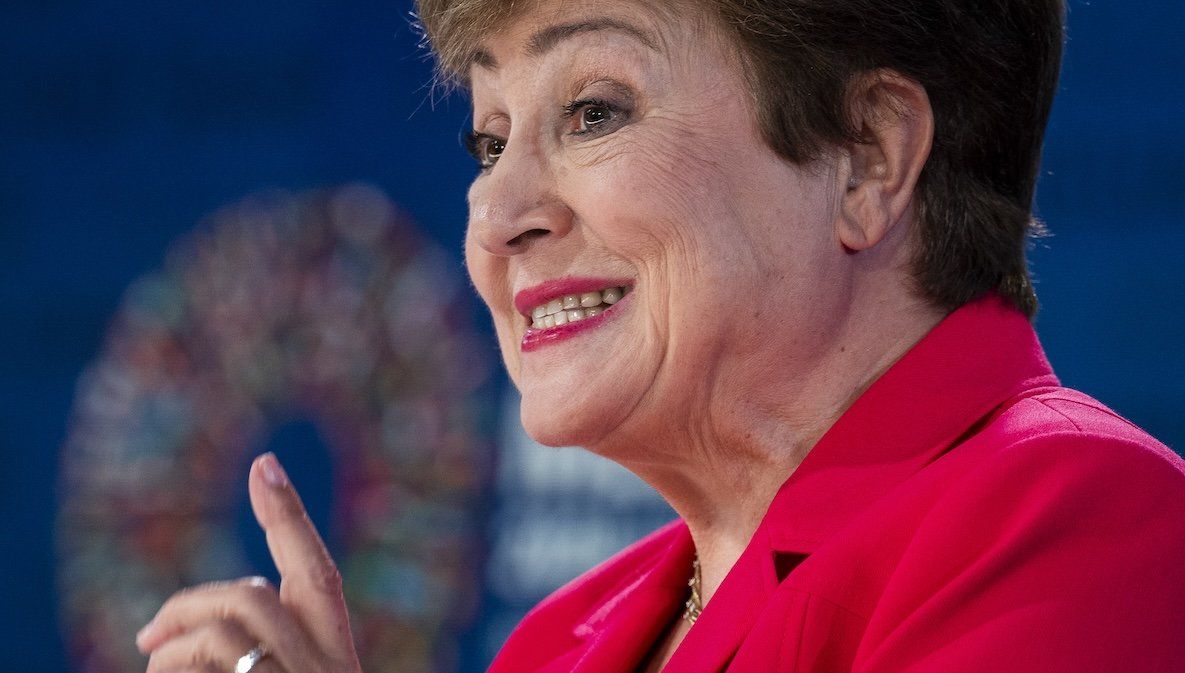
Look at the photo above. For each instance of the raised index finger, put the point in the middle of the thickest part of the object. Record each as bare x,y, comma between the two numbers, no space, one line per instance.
310,585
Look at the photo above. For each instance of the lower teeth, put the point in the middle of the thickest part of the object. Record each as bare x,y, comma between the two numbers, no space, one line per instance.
570,315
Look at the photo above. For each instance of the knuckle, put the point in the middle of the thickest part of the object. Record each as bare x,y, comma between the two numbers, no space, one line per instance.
214,644
327,578
222,632
255,591
257,582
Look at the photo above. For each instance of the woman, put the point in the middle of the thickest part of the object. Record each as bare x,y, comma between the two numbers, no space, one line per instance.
770,257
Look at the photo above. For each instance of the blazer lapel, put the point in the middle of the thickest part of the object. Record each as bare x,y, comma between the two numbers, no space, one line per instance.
730,614
624,629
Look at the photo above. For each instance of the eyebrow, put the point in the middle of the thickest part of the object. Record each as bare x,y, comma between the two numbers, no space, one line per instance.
548,38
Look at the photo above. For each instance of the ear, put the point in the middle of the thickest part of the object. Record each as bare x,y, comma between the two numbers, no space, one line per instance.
892,116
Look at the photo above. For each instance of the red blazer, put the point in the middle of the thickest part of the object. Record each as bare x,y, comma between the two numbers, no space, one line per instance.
966,514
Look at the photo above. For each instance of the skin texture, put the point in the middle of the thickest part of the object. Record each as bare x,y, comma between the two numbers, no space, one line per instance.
765,296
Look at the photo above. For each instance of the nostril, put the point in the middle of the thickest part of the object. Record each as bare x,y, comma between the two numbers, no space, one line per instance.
527,236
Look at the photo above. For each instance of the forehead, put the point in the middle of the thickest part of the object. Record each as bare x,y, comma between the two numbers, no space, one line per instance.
544,27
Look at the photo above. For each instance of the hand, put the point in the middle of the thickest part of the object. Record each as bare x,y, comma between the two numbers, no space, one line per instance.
302,627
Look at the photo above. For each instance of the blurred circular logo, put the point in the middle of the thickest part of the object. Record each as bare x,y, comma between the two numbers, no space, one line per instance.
324,305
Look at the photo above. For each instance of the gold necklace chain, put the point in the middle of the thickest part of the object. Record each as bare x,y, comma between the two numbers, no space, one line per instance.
695,602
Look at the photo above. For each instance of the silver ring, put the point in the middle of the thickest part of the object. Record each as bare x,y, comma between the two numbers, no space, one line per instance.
248,660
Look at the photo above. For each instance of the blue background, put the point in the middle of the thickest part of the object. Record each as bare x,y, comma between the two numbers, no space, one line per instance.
123,124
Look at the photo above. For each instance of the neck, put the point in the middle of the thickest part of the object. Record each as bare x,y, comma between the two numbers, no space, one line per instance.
721,466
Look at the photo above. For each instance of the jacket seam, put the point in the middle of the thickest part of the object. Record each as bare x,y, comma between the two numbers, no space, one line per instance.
813,595
1093,407
1059,412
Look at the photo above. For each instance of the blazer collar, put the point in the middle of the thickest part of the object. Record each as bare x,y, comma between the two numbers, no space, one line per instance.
977,358
621,631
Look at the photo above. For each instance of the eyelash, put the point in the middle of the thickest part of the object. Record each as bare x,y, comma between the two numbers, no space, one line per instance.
477,143
571,108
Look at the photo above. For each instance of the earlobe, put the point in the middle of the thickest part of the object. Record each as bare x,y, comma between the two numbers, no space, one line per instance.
863,217
892,118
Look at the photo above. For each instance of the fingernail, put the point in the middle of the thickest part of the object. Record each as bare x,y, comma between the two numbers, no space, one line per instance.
273,474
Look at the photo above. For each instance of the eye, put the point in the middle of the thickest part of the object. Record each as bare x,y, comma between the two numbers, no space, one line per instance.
485,148
593,116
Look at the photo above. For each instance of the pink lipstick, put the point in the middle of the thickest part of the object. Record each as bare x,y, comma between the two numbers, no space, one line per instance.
562,308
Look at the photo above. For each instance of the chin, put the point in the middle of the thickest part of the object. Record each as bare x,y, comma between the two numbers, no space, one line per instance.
551,427
572,394
575,422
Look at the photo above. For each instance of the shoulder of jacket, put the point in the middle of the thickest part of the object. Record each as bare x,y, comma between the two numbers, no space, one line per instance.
1069,432
1062,458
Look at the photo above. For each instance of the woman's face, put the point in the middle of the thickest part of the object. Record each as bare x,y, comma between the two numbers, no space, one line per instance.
621,151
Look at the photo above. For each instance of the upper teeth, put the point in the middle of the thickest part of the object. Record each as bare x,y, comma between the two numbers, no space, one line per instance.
573,307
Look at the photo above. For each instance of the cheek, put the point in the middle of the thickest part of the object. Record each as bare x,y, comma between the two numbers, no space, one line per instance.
653,193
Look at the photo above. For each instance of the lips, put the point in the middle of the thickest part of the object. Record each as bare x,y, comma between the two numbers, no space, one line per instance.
526,300
558,309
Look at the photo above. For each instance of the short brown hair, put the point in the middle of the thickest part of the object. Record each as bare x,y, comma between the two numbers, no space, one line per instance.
989,68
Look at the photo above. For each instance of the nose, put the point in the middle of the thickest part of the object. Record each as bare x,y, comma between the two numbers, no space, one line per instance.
517,206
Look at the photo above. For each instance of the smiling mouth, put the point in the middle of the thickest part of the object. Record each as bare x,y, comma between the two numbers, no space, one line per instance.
572,308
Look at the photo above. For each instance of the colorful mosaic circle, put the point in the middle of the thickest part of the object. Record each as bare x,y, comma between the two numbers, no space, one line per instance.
326,305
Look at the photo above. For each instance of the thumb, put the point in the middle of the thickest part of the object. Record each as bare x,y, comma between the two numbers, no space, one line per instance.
310,584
